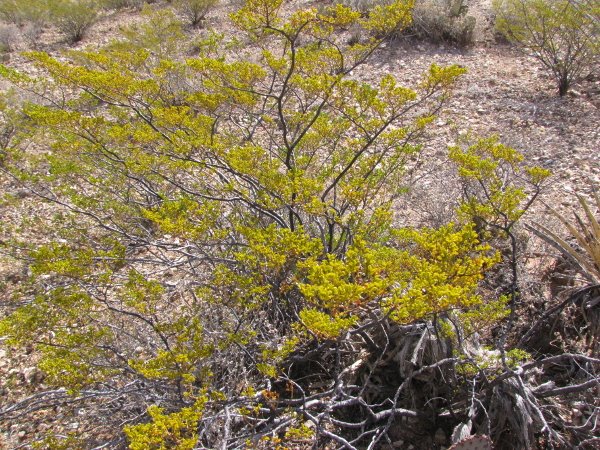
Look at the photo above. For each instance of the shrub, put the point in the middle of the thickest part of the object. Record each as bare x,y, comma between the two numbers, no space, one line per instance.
74,17
31,32
433,20
9,11
443,21
161,32
564,35
29,16
120,4
21,12
224,249
266,185
194,11
9,124
364,6
8,38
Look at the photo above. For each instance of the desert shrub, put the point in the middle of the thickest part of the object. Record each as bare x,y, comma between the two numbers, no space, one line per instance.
74,17
443,21
9,35
120,4
161,32
266,185
364,6
194,11
433,20
9,119
224,250
31,32
29,16
563,35
9,11
21,12
498,189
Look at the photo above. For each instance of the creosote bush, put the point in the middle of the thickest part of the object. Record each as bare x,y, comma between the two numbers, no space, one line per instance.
161,33
29,16
74,17
443,21
194,11
273,179
563,35
12,125
433,20
223,268
22,12
8,38
120,4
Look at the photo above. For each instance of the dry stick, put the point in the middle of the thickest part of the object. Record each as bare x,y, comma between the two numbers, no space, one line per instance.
572,298
569,389
226,428
60,396
552,435
550,360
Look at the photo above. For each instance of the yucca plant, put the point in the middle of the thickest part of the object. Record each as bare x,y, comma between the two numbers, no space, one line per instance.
585,255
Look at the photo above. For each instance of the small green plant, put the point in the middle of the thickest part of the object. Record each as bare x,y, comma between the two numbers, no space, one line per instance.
194,11
59,442
563,35
177,430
